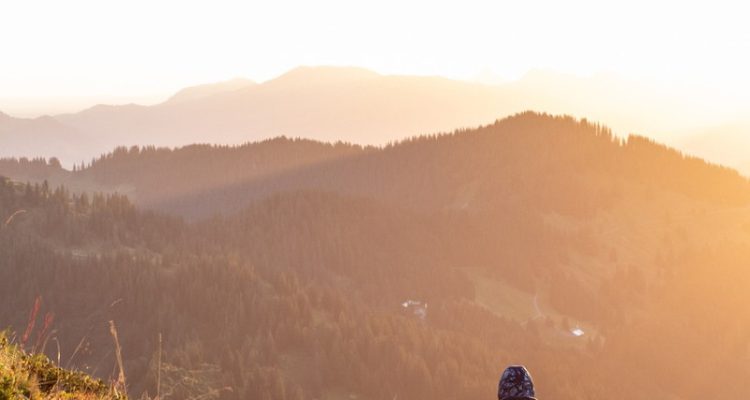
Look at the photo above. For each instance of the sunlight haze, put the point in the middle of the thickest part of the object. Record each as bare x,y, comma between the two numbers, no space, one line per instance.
374,200
137,48
668,70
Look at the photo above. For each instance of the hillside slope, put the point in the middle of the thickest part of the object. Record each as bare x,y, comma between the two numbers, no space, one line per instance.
35,377
415,270
551,164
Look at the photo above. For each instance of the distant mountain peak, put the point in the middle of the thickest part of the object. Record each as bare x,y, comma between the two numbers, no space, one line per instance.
324,74
100,109
201,91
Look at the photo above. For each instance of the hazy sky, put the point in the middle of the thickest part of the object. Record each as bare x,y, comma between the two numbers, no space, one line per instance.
139,49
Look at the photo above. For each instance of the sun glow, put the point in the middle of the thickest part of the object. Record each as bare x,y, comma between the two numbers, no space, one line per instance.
93,48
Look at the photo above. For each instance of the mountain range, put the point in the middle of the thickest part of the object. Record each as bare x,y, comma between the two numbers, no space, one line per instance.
328,104
348,104
298,269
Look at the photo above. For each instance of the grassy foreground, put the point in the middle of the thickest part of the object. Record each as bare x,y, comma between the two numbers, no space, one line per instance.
26,376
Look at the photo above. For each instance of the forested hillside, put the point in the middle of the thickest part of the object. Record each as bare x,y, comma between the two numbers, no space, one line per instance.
555,164
292,269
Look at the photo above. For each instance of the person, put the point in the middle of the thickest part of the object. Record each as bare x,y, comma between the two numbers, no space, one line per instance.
516,384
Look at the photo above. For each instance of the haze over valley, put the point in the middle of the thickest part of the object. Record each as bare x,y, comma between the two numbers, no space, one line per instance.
374,201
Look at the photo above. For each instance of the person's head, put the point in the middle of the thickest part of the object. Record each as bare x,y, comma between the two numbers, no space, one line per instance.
515,384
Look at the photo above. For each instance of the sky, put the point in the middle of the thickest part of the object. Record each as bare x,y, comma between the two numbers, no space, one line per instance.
57,54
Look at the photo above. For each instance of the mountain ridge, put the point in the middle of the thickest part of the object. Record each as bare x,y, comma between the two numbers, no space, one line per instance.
355,105
504,145
204,90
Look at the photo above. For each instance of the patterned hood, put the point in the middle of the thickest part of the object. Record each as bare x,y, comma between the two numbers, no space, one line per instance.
515,384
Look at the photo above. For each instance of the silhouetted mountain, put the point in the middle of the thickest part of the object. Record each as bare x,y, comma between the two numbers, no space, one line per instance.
40,137
200,91
327,104
551,163
360,106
